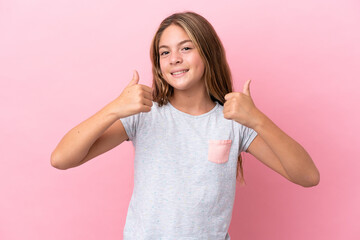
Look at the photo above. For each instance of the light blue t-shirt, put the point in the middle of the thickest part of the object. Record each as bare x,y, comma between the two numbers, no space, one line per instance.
184,173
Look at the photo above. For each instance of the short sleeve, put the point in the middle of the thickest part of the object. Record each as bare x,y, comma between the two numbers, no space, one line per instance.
247,135
130,124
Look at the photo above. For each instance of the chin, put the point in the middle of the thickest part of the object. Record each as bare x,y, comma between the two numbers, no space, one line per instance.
178,83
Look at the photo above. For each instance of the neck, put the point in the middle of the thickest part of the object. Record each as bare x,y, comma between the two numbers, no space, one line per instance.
192,102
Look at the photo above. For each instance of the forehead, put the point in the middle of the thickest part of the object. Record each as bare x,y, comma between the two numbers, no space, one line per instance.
172,35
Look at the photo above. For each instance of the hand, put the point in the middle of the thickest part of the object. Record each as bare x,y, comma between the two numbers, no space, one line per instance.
241,108
134,98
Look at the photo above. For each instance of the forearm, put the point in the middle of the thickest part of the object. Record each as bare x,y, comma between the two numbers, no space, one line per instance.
293,157
74,146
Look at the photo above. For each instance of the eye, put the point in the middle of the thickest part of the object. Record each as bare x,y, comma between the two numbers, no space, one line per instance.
163,53
186,48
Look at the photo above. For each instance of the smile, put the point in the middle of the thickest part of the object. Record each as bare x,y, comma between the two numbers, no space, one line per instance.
179,73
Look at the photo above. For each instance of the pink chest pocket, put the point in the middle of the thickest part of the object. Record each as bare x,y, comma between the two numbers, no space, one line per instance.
219,150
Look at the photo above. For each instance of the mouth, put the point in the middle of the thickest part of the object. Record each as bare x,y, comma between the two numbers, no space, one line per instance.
180,72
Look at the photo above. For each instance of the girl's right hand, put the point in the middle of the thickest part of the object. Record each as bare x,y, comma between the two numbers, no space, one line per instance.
134,98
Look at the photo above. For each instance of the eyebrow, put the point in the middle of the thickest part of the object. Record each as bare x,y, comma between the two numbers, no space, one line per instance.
180,43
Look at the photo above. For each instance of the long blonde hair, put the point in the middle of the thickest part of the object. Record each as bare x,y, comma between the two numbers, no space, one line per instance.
217,75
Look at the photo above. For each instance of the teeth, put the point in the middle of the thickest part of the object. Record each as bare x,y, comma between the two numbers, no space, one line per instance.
179,72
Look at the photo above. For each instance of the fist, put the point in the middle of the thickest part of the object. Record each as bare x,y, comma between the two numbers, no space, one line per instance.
135,98
240,107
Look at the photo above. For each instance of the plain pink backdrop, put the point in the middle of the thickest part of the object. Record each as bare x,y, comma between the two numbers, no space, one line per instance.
62,61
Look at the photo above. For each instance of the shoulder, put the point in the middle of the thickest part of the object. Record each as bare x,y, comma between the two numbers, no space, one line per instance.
155,111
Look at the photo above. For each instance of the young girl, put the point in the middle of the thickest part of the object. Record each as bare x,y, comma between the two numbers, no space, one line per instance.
188,132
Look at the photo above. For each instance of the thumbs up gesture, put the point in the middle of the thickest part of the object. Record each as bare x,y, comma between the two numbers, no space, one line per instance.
134,98
240,107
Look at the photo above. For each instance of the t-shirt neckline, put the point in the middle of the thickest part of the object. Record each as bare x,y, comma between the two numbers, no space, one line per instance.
193,116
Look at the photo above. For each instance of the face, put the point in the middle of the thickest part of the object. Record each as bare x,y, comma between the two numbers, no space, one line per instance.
180,62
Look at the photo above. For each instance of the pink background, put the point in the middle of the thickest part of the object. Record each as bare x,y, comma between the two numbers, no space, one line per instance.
62,61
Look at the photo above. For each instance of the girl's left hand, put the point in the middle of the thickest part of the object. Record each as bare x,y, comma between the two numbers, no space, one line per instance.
241,108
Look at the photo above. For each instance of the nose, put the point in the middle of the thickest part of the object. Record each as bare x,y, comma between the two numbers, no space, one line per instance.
175,58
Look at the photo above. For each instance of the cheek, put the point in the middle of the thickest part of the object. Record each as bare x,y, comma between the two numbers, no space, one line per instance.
163,70
162,66
199,62
200,65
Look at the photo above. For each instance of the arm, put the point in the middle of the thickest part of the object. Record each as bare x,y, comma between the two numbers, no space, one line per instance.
75,145
272,146
283,154
102,132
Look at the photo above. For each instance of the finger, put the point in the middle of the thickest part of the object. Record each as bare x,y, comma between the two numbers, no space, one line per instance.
228,96
225,104
147,102
146,88
148,95
246,90
225,114
135,79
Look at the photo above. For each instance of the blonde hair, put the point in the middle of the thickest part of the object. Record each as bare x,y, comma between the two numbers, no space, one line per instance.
217,75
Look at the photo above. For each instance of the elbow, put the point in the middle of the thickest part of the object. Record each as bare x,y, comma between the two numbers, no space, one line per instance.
311,180
54,161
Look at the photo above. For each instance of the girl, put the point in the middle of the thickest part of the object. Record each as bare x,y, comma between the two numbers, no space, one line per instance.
188,132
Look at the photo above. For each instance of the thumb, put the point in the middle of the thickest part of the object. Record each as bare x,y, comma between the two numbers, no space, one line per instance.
135,79
246,90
